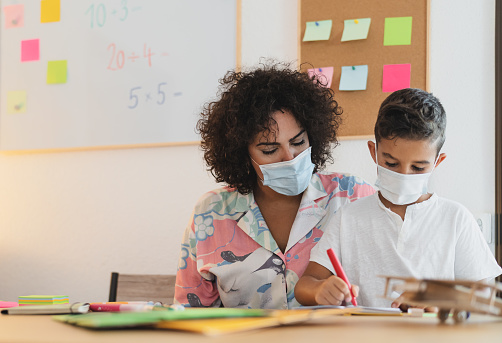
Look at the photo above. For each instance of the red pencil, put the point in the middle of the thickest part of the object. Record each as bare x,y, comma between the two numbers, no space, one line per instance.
340,273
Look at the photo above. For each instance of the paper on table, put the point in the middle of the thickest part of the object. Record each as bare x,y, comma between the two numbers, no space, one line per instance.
395,77
215,327
325,74
354,78
8,304
109,320
356,309
317,30
397,31
355,29
382,311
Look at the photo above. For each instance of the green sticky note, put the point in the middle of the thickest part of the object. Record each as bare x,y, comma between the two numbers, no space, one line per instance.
56,72
354,29
317,30
397,31
16,102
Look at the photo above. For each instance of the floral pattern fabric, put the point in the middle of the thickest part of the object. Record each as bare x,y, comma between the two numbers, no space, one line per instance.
229,257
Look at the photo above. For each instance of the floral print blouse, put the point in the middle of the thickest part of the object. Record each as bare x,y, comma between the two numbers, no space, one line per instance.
230,259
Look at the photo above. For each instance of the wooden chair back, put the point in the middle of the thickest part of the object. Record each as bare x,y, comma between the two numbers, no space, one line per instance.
142,287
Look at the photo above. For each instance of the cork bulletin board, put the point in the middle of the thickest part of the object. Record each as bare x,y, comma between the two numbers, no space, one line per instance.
360,107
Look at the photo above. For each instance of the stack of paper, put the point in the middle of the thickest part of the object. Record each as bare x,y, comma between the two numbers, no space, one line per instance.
43,300
215,321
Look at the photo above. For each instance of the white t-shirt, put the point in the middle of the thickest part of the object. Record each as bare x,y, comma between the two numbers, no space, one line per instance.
438,239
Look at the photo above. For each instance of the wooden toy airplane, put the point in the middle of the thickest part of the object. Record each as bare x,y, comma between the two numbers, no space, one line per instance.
459,296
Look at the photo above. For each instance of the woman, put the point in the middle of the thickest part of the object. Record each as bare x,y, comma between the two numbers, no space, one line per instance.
266,137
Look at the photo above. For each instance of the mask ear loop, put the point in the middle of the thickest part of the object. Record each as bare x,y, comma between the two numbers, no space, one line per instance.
262,181
436,161
376,153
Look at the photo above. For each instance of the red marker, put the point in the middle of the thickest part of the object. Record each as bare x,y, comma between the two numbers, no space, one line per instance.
340,273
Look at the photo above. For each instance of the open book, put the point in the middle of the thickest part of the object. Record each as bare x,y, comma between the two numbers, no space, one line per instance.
357,310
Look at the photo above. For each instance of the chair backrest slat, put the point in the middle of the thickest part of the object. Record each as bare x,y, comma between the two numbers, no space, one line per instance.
145,287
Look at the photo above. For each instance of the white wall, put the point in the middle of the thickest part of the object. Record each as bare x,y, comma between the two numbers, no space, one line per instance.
69,219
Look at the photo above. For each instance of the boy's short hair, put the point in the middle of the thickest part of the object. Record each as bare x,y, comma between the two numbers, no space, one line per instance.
411,113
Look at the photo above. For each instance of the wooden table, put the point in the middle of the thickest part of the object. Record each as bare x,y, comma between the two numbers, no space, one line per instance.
366,329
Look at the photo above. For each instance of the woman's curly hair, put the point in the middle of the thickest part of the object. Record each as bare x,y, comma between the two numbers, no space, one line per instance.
246,101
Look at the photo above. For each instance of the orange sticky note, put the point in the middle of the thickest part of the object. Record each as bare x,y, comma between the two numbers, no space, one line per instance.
50,11
56,72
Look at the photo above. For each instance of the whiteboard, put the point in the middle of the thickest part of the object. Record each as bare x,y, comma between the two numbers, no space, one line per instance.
138,71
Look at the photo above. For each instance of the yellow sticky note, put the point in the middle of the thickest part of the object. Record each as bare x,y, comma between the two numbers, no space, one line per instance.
16,102
50,11
56,71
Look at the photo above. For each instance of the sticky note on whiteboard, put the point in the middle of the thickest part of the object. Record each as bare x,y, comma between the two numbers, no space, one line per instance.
355,29
30,50
317,30
16,102
354,78
396,77
57,71
13,16
50,11
325,75
397,31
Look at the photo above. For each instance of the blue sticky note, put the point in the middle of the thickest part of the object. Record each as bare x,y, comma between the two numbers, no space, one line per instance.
317,30
354,78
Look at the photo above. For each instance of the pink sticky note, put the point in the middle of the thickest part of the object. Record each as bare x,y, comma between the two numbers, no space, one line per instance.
325,74
8,304
395,77
14,16
30,50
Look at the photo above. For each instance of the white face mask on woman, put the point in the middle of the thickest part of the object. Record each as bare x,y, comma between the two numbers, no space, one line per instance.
289,177
401,189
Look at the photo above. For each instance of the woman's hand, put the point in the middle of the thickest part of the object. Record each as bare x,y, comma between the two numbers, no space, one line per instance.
333,291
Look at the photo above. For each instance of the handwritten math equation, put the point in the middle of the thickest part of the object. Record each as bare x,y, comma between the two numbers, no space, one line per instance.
119,58
100,13
139,95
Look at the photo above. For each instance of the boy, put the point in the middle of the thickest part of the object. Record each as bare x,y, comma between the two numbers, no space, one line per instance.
402,230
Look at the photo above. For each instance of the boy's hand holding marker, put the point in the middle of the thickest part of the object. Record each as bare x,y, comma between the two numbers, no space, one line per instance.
333,291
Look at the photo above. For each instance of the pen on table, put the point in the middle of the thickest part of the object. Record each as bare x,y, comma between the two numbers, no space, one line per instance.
340,273
127,306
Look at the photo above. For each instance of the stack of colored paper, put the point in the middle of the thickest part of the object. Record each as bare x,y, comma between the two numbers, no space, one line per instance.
43,300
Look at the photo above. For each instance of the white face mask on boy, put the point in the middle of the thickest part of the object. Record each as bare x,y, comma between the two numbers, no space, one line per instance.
401,189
